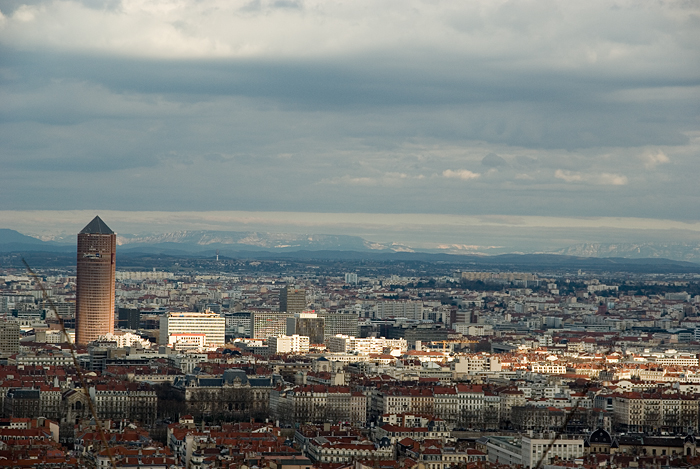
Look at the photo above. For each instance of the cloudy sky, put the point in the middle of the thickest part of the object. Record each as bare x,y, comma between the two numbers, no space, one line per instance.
477,110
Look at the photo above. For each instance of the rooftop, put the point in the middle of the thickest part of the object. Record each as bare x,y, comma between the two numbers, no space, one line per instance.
96,226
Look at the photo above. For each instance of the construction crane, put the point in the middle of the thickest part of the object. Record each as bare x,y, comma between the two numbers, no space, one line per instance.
453,341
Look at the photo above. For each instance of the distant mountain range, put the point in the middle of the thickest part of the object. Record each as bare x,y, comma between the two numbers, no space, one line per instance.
192,242
12,236
689,252
226,241
13,241
320,246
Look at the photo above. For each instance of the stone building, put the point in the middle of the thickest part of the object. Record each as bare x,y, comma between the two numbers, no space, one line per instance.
232,395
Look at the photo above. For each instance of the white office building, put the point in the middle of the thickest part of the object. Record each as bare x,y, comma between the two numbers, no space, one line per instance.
288,344
399,309
364,346
208,323
185,342
541,447
530,450
124,339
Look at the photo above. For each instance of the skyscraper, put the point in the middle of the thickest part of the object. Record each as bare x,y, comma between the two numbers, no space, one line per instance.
129,318
340,323
292,300
264,324
94,309
306,324
9,337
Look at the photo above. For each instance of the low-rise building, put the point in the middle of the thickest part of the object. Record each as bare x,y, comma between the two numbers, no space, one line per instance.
288,344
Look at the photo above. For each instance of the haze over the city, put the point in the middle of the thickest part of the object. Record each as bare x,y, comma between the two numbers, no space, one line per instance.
532,125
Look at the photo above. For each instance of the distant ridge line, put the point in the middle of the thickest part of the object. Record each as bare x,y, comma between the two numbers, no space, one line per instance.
256,244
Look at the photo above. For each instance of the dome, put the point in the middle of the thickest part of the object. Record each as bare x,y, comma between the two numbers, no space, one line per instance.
600,436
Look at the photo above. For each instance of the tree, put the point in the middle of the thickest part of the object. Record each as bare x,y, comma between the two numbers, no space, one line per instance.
285,412
171,402
491,418
470,418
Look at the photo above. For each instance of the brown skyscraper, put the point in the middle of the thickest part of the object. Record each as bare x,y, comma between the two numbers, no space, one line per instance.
94,309
292,300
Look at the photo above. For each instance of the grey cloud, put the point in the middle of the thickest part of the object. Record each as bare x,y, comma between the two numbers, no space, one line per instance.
252,6
8,7
301,133
526,161
492,160
287,4
473,108
256,6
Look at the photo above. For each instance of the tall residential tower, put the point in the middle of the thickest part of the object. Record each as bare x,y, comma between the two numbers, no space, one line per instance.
94,309
292,300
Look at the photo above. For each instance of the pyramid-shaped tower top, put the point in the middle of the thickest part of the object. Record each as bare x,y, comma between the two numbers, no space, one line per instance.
96,226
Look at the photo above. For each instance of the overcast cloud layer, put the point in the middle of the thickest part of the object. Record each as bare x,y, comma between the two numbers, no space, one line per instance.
533,108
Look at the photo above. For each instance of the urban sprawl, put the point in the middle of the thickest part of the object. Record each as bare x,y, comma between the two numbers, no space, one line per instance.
468,369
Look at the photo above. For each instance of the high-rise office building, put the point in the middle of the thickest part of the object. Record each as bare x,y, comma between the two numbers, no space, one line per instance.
129,318
212,325
400,309
351,278
264,324
94,310
238,324
307,325
345,323
9,337
292,300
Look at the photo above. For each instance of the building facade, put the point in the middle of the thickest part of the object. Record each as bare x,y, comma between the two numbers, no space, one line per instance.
653,412
400,309
292,300
210,324
9,337
288,344
97,246
541,449
129,318
340,323
266,324
307,324
364,346
238,324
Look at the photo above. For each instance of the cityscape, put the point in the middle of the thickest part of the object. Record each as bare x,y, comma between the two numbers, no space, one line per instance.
345,366
366,234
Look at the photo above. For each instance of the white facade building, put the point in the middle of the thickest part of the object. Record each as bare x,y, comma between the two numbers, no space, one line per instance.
530,450
288,344
364,346
187,341
548,368
400,309
147,275
125,339
210,324
534,449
